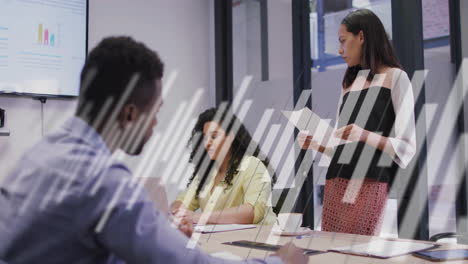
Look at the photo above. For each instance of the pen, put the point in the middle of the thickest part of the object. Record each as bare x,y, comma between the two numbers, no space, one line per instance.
302,236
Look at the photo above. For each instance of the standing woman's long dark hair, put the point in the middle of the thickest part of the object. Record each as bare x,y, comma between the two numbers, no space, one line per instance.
377,50
241,144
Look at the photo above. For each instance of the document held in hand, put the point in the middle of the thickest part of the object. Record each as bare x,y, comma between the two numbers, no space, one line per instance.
320,129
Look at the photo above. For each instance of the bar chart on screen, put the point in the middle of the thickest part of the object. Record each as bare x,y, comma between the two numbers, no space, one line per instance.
48,35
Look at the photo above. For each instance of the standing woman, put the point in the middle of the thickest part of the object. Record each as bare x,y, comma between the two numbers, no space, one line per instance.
376,116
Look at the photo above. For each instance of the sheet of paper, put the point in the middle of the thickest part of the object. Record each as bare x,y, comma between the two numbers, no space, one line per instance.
308,121
221,228
384,248
226,255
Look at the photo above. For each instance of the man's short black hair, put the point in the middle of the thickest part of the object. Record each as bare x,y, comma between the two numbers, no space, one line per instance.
109,69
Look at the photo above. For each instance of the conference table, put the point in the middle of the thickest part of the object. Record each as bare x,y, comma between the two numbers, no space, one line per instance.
317,240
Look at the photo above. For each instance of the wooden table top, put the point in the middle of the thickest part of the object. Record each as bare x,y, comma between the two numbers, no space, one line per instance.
317,240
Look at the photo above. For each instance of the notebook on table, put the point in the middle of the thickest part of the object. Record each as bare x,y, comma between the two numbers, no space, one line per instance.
381,248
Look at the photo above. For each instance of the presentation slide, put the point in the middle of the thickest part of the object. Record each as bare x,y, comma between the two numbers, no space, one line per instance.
42,46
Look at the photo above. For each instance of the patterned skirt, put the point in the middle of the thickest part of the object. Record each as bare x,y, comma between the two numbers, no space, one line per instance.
349,207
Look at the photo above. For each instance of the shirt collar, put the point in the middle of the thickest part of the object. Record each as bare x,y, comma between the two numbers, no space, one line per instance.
77,127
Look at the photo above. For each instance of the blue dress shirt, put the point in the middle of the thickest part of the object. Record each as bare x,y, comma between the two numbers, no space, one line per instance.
69,201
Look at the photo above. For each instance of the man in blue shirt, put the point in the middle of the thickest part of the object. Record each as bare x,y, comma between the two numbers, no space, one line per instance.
69,201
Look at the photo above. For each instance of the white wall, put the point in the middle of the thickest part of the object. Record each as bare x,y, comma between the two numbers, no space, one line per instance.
177,30
24,123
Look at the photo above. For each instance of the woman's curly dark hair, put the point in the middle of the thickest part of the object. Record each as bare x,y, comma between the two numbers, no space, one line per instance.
242,145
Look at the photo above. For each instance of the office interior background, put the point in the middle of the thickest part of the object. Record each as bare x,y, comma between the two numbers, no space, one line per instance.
265,56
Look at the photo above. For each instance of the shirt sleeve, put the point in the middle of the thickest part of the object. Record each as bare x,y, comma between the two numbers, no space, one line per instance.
257,188
188,197
123,221
404,141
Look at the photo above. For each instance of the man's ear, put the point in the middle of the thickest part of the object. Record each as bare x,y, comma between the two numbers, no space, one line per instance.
128,115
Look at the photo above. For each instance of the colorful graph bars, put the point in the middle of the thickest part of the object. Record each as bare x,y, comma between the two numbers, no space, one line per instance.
44,37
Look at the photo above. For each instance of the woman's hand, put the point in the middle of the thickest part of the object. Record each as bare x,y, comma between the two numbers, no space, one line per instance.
306,141
290,254
185,225
176,205
182,212
187,214
352,133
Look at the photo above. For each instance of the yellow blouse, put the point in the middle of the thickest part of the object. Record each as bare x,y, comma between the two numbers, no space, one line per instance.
252,185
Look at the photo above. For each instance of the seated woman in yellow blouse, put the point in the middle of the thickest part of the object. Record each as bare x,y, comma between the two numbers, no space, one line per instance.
230,184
